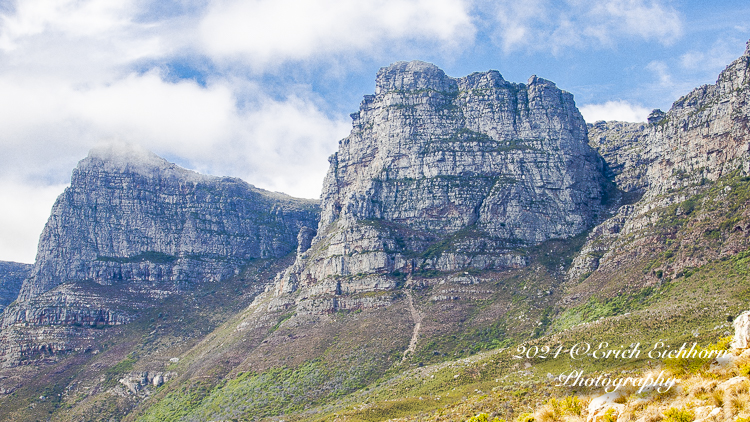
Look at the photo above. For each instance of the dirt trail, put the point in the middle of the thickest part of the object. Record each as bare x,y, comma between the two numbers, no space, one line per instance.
417,318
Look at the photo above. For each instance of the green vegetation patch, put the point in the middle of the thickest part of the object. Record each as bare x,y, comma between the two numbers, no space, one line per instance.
596,308
150,256
251,395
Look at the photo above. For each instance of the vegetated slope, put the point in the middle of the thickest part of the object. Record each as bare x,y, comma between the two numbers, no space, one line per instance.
108,369
296,358
693,309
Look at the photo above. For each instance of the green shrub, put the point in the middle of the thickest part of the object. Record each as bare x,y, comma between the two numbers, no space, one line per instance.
679,415
570,405
483,417
688,365
525,417
609,416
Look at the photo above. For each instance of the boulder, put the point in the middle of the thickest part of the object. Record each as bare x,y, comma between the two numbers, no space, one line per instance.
742,331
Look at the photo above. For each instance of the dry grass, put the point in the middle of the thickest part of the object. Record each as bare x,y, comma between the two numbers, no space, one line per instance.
698,395
717,398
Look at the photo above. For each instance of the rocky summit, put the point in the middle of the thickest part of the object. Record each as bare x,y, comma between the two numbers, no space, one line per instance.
444,174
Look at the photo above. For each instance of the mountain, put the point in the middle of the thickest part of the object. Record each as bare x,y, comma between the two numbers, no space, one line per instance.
130,216
12,274
133,230
469,227
673,161
448,217
445,174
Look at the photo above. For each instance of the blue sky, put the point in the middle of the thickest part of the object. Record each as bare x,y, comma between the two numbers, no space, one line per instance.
262,89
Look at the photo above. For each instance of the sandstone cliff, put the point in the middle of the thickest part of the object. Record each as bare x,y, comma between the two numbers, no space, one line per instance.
444,173
132,217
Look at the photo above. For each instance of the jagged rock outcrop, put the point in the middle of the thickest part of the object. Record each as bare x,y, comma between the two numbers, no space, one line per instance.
12,275
130,216
82,303
704,136
140,382
446,173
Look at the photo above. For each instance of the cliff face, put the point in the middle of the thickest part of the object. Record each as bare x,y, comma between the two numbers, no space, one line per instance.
623,146
443,173
12,275
676,155
132,217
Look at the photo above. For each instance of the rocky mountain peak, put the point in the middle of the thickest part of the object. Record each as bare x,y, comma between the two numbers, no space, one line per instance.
476,165
117,157
412,76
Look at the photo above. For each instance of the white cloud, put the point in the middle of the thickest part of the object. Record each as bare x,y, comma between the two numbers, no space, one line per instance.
268,141
622,111
68,17
551,25
70,80
283,146
662,73
25,210
713,60
269,32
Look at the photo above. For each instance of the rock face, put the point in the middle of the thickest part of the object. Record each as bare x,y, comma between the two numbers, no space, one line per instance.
12,275
741,325
441,173
130,216
704,136
623,146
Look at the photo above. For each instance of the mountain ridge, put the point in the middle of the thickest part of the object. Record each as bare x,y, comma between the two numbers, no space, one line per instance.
164,217
384,311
